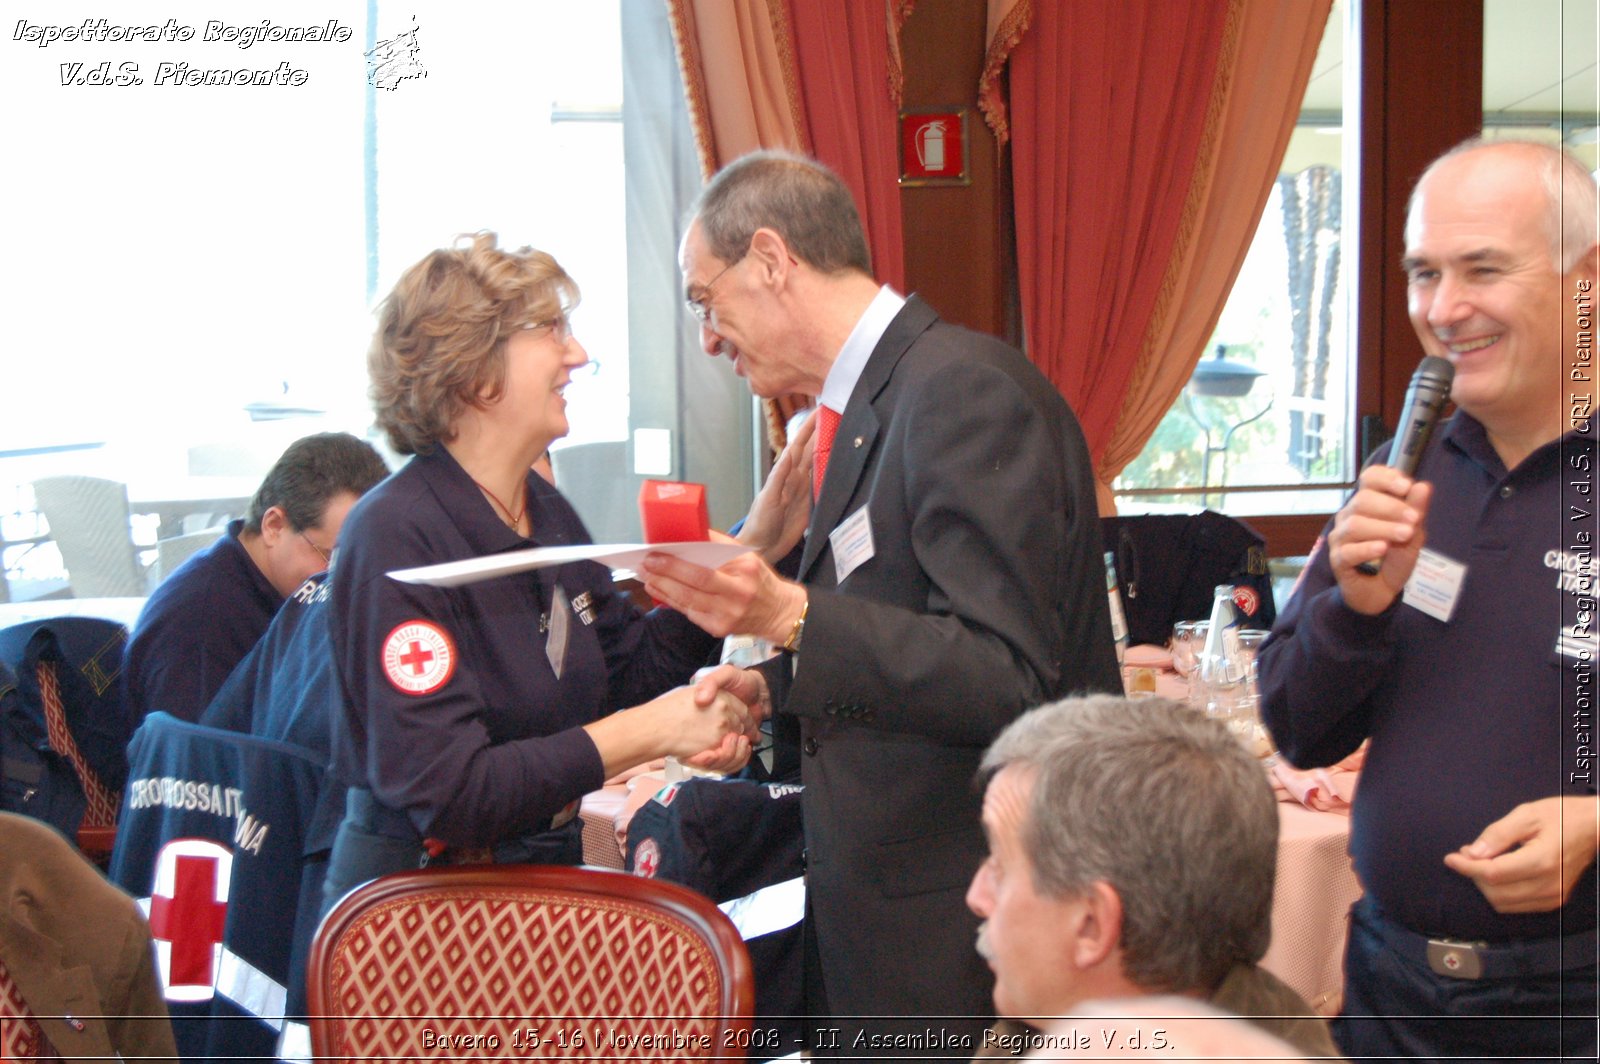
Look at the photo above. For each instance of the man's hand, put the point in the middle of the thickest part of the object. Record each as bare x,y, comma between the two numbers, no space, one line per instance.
742,597
747,685
1529,859
1383,521
780,513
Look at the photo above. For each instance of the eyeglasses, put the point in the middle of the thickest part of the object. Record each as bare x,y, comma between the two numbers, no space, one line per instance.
560,327
700,306
327,560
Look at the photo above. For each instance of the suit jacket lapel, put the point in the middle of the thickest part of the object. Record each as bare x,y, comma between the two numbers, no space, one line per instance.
858,429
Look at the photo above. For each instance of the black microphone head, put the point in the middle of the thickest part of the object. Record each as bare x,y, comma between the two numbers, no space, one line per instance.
1439,372
1425,403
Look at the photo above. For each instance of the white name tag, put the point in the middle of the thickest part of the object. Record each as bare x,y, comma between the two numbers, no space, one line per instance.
1435,585
852,544
555,640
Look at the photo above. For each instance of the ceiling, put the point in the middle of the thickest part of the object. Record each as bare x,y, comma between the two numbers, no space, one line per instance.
1539,77
1539,60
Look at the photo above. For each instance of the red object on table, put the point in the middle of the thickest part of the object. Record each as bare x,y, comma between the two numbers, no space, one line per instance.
673,512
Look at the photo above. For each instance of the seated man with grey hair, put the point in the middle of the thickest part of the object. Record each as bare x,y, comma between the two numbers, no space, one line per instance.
1132,850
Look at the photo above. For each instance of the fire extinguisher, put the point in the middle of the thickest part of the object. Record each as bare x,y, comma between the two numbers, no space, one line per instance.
930,146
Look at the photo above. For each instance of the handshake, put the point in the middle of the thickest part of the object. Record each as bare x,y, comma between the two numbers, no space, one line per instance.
734,699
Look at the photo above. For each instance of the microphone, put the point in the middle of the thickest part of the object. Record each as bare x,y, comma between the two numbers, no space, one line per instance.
1425,400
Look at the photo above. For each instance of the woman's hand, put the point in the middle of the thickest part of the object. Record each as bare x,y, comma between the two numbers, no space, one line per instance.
676,724
781,511
731,755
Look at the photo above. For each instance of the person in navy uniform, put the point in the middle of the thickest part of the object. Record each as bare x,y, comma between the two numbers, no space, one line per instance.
474,717
1468,658
204,618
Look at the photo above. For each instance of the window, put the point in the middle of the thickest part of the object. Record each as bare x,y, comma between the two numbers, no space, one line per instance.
1265,424
1293,448
192,267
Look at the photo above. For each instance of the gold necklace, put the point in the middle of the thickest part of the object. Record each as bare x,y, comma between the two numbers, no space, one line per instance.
512,519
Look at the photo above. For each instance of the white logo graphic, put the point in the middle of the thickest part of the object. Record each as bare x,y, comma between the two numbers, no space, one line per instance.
418,657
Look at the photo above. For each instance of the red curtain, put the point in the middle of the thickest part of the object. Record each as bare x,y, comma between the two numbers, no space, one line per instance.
1109,109
846,57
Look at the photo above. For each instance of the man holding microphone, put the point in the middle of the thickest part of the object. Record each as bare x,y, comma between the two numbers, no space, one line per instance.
1467,656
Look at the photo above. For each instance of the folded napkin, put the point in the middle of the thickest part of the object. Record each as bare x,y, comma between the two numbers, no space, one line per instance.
1327,790
1148,656
641,789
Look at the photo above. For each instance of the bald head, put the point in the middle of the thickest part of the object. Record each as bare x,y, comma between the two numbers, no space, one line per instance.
1564,187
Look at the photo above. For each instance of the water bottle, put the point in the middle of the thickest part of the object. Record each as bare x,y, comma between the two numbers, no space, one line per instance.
1119,619
1222,679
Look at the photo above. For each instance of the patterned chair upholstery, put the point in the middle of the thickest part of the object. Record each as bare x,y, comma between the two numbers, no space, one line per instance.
20,1036
521,961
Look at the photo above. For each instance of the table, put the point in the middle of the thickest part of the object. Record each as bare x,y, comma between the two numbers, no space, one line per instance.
1315,888
598,812
172,499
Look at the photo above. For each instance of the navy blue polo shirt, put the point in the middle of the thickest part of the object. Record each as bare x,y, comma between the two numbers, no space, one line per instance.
1468,718
200,623
453,710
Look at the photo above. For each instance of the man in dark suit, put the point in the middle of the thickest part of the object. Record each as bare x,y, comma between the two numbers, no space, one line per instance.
951,579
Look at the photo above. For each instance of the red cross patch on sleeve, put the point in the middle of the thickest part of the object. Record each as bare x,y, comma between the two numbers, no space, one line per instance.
418,657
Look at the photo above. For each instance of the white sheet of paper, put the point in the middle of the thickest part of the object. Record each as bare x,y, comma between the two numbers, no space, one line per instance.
615,555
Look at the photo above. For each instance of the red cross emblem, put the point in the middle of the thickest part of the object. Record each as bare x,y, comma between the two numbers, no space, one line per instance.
1452,960
188,908
646,859
1246,599
418,657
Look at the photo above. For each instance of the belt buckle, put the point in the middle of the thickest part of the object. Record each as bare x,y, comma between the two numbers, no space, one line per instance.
1455,959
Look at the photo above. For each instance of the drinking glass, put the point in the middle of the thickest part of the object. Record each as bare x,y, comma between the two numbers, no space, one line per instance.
1247,710
1187,636
1188,639
1250,640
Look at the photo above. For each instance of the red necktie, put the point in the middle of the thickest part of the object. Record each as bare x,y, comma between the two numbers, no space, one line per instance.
827,426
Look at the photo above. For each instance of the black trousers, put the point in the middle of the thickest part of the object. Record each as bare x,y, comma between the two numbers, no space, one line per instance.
1397,1007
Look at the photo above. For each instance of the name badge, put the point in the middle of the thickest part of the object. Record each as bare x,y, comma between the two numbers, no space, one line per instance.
1435,585
852,544
555,640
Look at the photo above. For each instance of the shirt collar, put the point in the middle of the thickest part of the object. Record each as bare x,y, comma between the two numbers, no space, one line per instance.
858,348
1467,435
472,514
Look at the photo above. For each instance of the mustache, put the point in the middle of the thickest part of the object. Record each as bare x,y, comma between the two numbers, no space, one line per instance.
985,949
